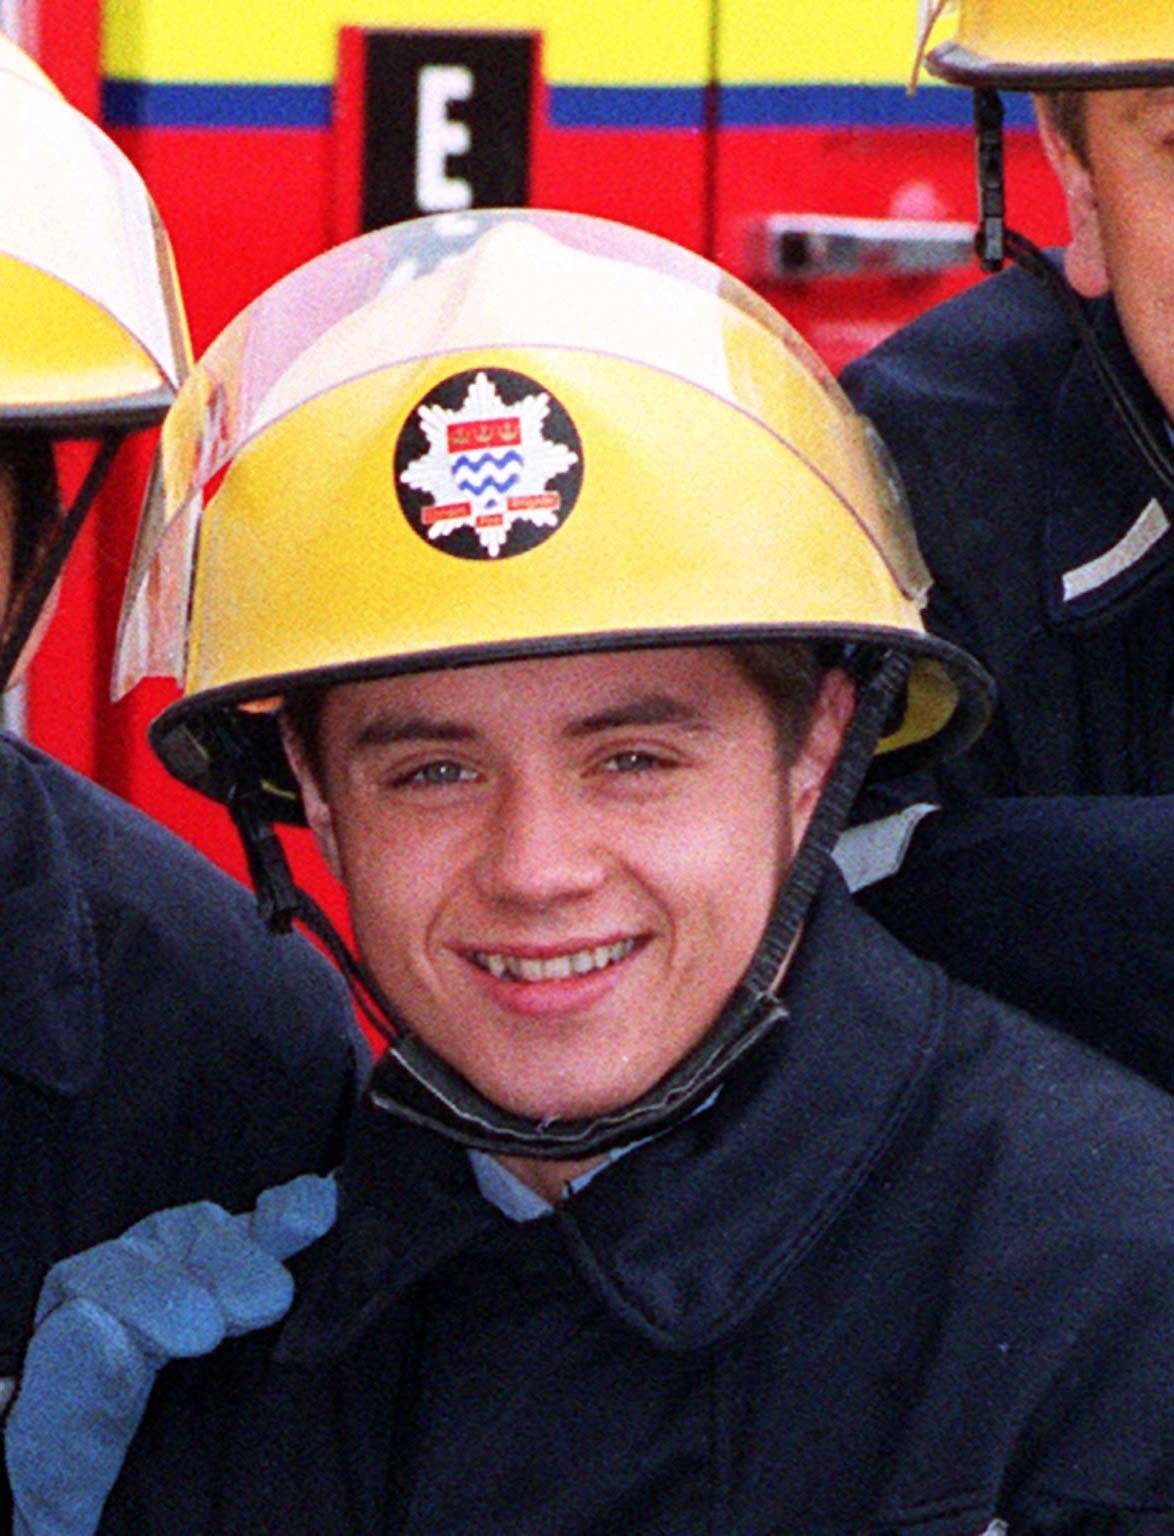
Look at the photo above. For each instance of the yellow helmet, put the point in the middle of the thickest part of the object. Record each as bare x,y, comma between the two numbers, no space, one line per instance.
496,434
505,434
1032,45
95,340
93,327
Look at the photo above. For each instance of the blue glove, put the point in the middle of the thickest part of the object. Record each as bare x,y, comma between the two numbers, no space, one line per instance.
174,1285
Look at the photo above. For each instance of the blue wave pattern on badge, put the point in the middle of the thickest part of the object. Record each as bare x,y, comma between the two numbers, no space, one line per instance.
475,461
467,472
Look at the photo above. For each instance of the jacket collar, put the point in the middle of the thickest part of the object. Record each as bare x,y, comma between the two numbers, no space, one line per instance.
1108,530
51,1019
682,1238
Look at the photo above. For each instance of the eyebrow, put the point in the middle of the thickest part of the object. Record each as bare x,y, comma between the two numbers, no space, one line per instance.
388,730
1155,102
648,709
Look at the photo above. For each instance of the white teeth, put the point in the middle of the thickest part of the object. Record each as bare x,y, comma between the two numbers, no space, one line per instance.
558,967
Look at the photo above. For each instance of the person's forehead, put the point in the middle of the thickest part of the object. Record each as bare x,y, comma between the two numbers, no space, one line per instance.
560,689
1142,105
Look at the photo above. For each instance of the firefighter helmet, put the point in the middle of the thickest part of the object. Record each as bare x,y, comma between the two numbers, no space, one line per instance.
94,334
511,434
498,434
95,341
1027,45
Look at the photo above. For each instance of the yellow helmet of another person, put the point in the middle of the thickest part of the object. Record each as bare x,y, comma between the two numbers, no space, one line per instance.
1038,46
501,434
93,327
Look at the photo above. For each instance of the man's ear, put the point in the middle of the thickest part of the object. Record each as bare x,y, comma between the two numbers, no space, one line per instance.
317,807
1084,256
821,746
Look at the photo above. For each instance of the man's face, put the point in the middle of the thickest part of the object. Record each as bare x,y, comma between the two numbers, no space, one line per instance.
1131,179
559,869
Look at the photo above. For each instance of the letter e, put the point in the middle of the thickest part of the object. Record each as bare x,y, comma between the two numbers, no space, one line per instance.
438,137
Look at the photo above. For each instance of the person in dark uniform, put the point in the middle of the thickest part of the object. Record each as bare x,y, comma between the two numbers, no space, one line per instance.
158,1045
684,1199
1030,420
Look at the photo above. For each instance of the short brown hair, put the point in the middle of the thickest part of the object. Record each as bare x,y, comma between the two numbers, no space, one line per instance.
1065,110
788,674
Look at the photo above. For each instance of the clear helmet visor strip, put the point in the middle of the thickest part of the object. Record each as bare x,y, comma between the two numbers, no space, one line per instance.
418,291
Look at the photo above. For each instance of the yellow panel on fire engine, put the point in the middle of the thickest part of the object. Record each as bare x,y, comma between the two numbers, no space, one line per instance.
88,296
1086,42
835,41
609,42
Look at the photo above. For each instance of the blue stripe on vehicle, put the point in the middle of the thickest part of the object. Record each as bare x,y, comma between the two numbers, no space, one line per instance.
150,104
857,106
627,106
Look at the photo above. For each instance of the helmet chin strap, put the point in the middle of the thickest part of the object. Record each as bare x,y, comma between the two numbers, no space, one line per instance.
29,601
994,242
413,1083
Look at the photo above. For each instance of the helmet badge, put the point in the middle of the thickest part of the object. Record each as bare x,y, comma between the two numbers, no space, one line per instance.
488,464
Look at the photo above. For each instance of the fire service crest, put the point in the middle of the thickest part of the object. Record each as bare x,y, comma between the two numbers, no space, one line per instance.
489,464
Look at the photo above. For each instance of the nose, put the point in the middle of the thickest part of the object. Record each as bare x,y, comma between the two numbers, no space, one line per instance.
541,846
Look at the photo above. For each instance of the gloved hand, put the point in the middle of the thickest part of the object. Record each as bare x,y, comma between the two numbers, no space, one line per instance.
174,1285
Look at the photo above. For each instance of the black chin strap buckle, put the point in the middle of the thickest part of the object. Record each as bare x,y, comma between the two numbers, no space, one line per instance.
278,899
989,241
238,784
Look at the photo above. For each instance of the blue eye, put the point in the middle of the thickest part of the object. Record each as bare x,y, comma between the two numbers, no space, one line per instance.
633,762
436,774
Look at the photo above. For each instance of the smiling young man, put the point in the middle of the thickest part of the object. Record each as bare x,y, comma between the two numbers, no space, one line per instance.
1031,422
560,869
683,1200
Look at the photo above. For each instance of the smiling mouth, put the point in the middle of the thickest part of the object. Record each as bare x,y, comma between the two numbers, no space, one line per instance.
579,962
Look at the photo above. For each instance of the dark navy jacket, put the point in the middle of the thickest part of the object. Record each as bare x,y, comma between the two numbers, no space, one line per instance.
1049,540
157,1046
1050,545
911,1272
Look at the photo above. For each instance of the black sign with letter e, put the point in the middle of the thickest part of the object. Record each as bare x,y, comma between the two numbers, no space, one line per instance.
443,122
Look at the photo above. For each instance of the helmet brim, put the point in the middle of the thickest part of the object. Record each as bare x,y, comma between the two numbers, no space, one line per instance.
959,65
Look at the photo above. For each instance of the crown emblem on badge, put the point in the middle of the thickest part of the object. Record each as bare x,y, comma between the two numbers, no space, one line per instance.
489,464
